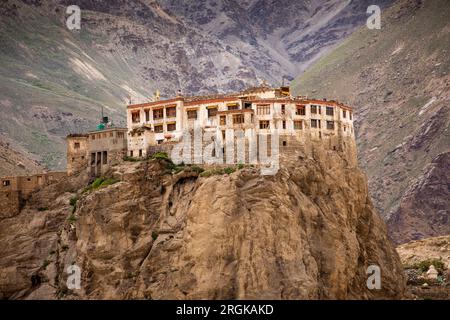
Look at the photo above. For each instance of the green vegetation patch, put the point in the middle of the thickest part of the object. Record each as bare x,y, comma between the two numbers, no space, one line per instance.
100,183
424,265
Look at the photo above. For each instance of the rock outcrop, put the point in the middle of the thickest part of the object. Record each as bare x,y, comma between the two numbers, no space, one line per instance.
308,232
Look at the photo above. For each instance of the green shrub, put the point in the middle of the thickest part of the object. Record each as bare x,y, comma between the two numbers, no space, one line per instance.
240,166
100,183
108,182
45,263
96,184
72,218
154,235
73,201
161,156
207,173
424,265
130,159
197,169
229,170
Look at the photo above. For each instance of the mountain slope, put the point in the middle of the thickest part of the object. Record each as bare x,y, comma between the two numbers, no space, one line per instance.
14,162
54,81
397,79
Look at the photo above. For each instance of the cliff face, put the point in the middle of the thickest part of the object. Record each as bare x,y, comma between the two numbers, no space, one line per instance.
308,232
403,128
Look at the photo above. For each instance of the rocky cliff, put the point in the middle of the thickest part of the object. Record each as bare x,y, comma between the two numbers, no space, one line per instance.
397,80
308,232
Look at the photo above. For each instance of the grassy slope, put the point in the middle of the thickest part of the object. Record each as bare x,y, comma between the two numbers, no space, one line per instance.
43,94
388,75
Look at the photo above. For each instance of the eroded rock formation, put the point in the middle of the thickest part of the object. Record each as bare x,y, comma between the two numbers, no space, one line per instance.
308,232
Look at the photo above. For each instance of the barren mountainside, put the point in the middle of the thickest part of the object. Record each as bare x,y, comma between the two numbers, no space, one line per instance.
54,81
397,79
308,232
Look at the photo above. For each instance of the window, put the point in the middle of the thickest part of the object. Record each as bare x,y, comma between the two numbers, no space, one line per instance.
212,112
283,109
171,112
73,159
298,125
330,111
76,145
158,114
233,106
93,137
262,110
120,135
159,128
6,183
223,120
284,143
238,118
300,111
105,157
284,124
344,114
247,105
135,117
171,127
315,123
330,125
147,115
192,114
140,153
111,134
131,153
315,109
264,124
160,141
350,115
92,158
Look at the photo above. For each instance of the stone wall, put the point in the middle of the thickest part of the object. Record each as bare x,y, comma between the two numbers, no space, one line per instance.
9,203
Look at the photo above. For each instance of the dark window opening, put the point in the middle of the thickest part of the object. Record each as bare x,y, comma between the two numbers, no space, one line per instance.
284,143
159,129
238,118
105,157
330,111
171,112
6,183
76,145
192,114
212,112
171,127
140,153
